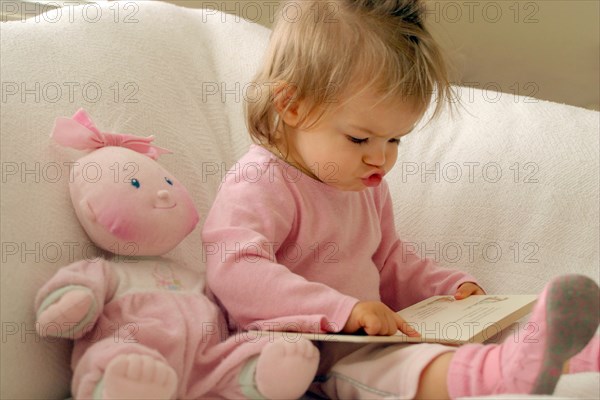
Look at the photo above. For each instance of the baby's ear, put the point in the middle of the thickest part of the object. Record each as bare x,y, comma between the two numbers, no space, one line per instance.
285,95
86,210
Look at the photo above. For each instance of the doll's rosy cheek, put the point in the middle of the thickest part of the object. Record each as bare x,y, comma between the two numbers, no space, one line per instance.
119,222
191,215
120,207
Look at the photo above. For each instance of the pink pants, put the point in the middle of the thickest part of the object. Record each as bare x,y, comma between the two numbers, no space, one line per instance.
373,371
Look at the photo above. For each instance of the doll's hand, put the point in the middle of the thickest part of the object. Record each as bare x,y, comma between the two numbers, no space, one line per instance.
61,319
375,318
467,289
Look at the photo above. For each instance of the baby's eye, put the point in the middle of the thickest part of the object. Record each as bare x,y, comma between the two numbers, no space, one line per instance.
170,182
356,140
395,141
135,183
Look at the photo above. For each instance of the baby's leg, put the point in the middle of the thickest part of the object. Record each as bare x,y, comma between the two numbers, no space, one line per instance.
433,381
565,318
109,370
380,371
283,370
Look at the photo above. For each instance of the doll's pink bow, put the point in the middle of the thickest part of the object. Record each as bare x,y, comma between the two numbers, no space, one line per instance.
79,132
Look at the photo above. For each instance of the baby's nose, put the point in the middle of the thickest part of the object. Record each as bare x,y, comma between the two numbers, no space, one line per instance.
375,157
163,194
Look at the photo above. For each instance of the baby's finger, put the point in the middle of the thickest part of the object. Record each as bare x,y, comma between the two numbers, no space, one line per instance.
390,325
405,327
371,324
465,290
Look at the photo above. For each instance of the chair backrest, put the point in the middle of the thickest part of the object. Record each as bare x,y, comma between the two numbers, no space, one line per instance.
507,190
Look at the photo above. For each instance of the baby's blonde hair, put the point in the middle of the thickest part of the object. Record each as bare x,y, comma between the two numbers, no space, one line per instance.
322,49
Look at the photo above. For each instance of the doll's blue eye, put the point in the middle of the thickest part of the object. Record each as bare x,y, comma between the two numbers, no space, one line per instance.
135,183
170,182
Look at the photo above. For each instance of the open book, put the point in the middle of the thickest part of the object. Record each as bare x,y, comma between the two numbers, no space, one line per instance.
441,319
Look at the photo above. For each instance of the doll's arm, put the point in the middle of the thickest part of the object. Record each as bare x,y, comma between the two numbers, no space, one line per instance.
68,305
405,277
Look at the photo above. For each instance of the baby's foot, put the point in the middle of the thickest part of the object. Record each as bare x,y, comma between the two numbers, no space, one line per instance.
588,359
136,376
565,318
567,315
285,370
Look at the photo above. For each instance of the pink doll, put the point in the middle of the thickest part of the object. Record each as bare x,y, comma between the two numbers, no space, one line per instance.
141,325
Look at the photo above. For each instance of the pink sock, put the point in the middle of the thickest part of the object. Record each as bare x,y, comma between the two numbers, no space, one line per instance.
588,359
565,317
285,370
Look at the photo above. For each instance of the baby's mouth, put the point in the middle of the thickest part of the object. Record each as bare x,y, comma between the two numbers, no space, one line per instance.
373,180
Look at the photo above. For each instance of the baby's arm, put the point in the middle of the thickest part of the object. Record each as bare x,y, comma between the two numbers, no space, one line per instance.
407,279
243,230
70,302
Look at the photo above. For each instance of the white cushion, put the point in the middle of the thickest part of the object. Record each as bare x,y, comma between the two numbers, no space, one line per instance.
158,75
507,189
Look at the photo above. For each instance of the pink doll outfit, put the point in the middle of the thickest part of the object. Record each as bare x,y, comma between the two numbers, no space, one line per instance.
287,252
152,308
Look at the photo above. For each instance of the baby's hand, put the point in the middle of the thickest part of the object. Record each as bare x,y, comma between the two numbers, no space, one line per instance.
467,289
375,318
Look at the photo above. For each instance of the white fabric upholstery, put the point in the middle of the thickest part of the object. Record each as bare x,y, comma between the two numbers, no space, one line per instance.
158,74
507,189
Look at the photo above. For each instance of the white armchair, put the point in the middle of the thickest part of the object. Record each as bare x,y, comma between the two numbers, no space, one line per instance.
507,189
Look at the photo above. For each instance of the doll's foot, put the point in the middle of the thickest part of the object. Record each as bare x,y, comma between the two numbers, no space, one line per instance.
563,320
588,359
285,370
136,376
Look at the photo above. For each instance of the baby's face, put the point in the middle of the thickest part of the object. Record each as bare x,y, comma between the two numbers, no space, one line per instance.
355,145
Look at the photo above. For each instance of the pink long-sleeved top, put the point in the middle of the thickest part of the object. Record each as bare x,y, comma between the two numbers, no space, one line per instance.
287,252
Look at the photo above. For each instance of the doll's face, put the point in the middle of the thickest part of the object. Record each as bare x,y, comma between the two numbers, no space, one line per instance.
129,204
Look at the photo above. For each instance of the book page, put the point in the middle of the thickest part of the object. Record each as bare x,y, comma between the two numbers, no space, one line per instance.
439,319
474,319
